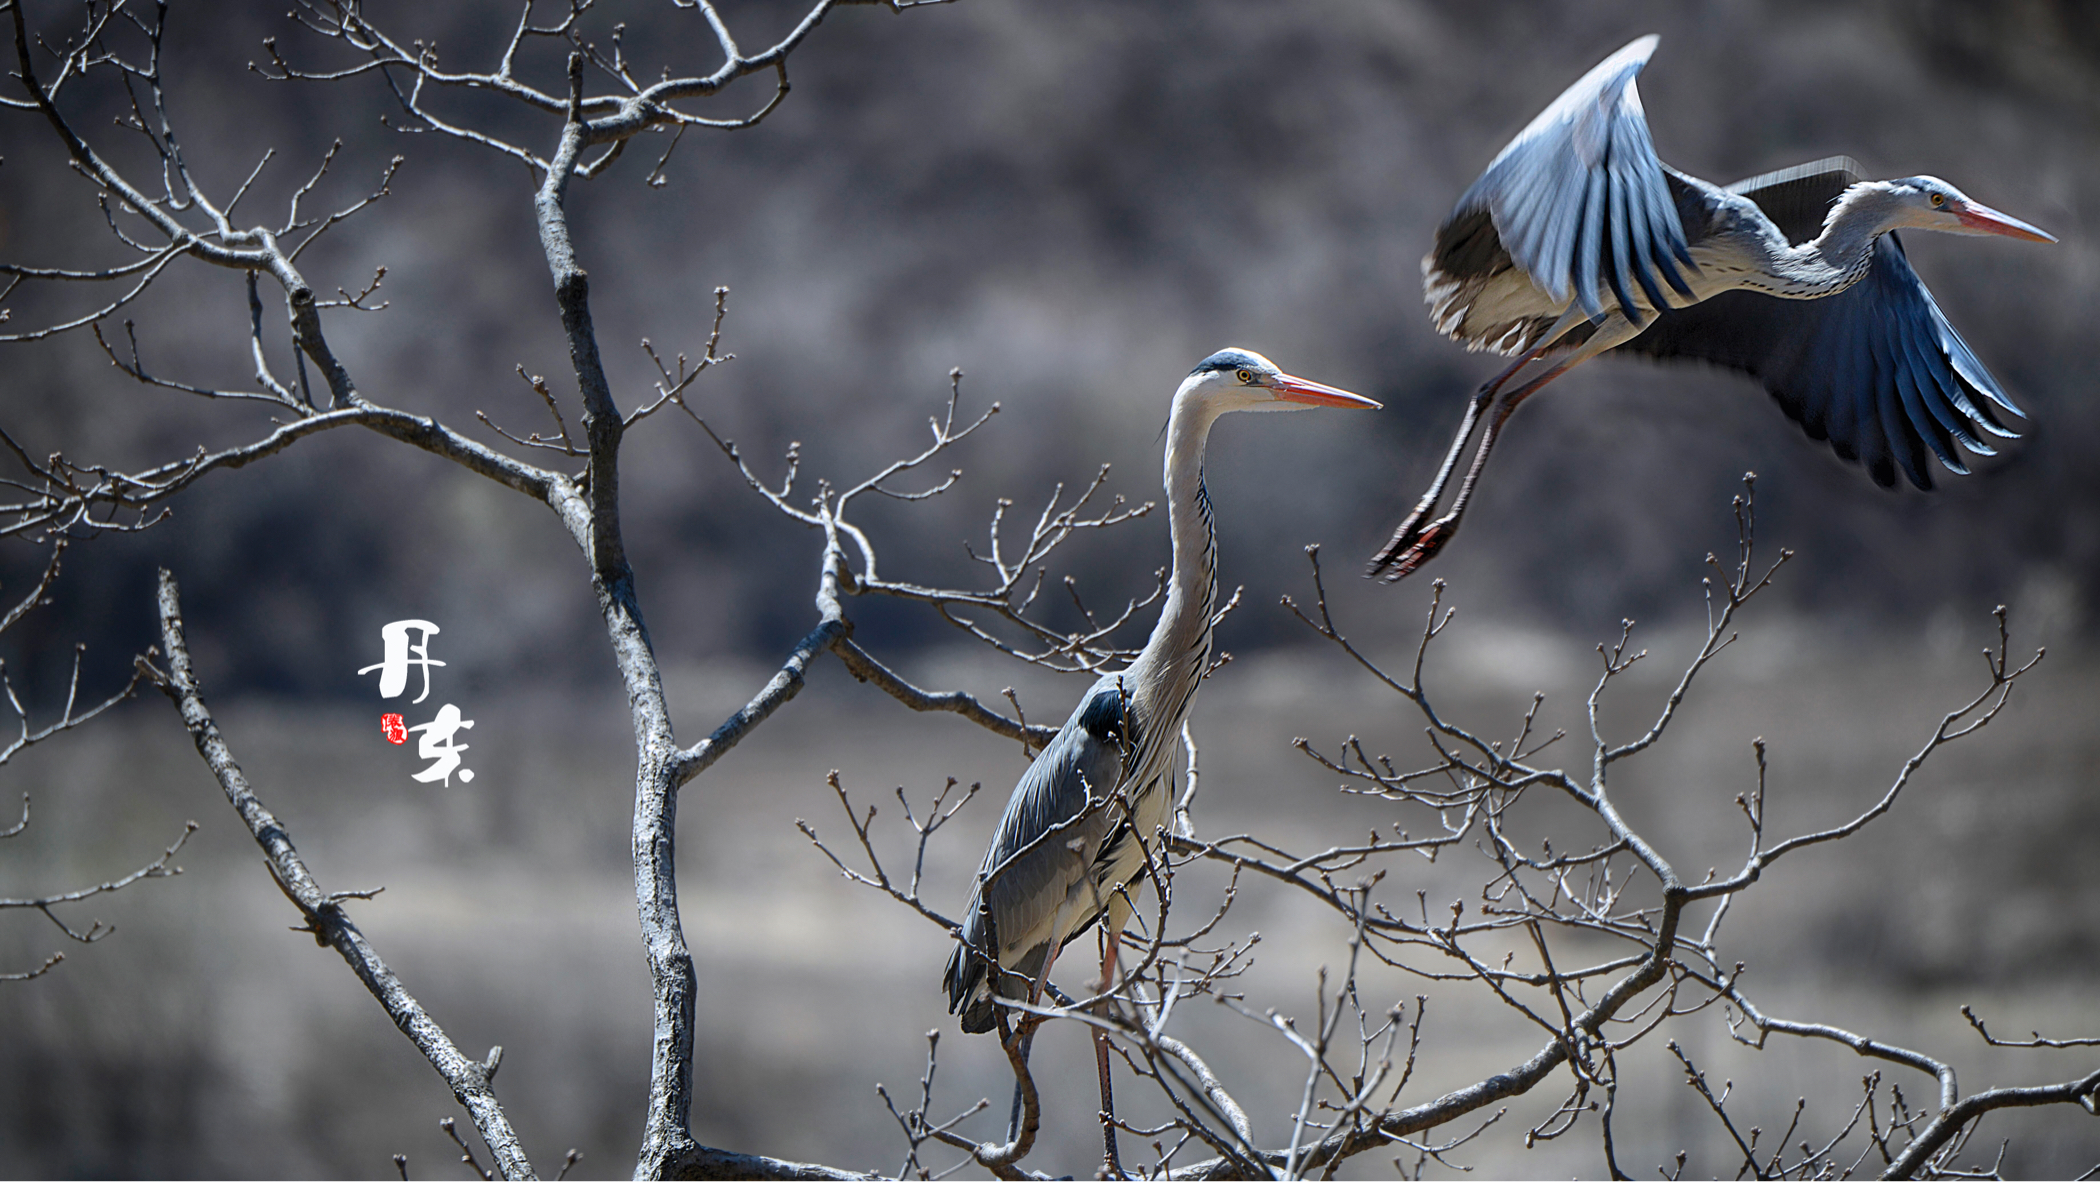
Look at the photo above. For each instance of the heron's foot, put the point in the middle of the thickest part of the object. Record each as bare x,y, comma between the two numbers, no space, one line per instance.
1410,548
1404,535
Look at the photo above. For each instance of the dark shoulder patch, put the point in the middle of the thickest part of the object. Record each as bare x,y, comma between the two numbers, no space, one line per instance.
1467,246
1103,716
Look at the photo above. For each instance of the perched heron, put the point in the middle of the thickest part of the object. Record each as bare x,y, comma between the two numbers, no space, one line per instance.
1577,240
1081,824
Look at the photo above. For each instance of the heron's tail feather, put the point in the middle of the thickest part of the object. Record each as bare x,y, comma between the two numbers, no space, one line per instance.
979,1016
971,992
966,991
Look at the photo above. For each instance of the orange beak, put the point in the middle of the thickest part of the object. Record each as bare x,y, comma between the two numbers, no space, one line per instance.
1293,389
1985,220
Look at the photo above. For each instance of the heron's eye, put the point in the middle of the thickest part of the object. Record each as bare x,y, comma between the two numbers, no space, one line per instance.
1938,199
1246,377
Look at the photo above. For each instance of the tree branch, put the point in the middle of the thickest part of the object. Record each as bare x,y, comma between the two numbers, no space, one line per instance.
323,912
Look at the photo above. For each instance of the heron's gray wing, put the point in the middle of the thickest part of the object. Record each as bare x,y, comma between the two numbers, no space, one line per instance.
1577,200
1875,369
1025,876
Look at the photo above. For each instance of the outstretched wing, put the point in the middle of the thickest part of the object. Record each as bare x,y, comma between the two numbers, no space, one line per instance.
1576,201
1025,875
1875,369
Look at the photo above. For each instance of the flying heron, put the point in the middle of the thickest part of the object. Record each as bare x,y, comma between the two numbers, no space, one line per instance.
1577,240
1081,825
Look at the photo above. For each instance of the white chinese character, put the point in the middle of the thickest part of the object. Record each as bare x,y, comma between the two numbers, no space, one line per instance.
437,744
393,671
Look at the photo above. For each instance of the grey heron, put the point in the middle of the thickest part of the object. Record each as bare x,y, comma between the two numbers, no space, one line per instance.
1577,240
1081,824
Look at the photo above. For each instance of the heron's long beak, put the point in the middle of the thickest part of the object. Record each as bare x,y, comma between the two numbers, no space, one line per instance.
1293,389
1985,220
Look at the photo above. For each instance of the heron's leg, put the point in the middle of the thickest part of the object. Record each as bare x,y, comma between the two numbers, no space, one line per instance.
1406,535
1042,979
1111,1159
1432,537
1027,1033
1013,1119
1029,1022
1494,384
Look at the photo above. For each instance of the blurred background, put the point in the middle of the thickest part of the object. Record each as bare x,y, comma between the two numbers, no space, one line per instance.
1073,204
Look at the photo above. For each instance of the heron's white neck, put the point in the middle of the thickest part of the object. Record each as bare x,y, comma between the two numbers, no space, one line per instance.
1840,256
1179,648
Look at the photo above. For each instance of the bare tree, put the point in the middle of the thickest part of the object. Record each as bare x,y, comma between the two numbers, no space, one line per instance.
175,219
1609,917
1620,914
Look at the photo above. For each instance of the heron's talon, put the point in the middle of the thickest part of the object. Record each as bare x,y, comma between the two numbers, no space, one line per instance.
1427,542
